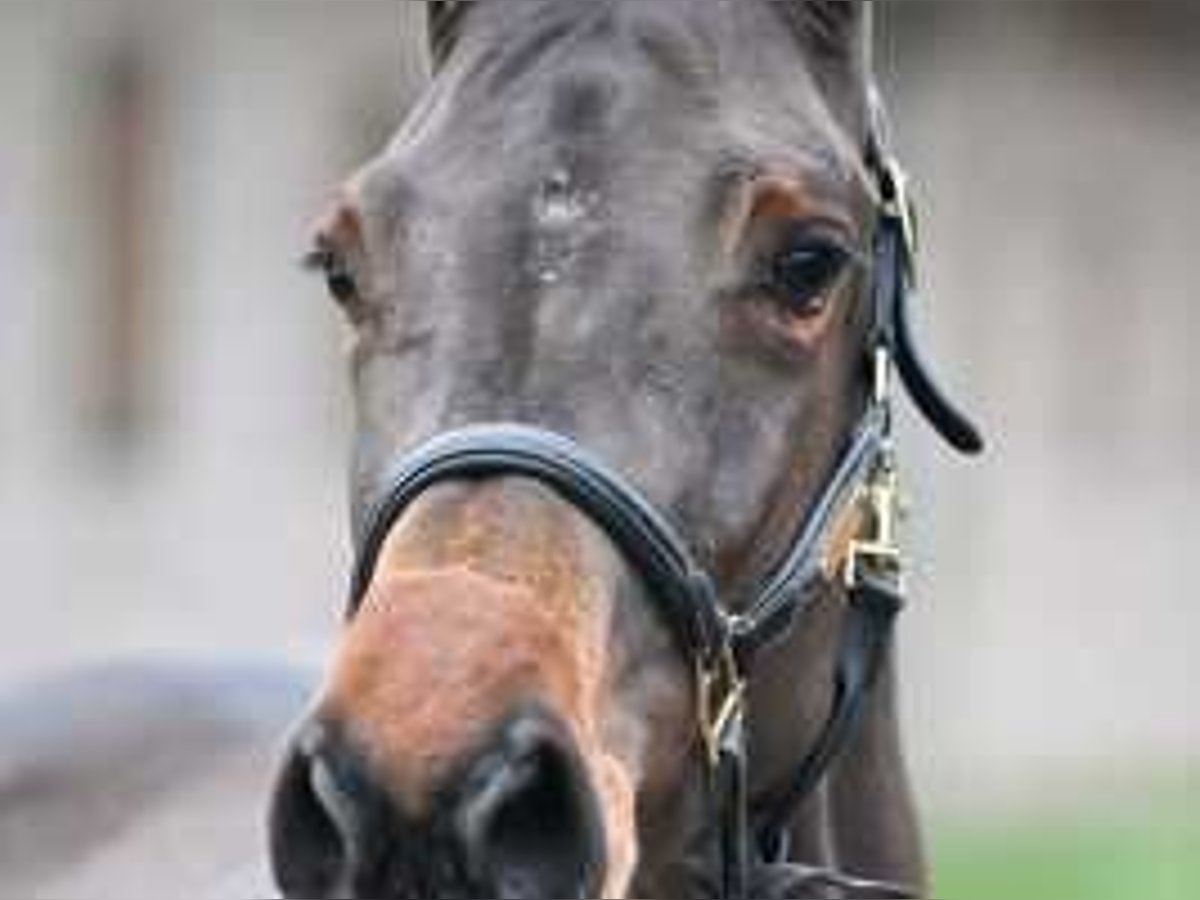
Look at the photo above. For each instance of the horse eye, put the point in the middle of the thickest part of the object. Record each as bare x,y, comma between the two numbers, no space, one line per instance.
339,280
804,272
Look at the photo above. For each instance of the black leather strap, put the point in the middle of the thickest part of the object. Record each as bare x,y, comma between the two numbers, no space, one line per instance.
648,541
789,589
873,606
954,427
652,545
732,801
894,292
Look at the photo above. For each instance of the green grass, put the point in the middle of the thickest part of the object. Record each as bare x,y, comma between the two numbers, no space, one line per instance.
1146,849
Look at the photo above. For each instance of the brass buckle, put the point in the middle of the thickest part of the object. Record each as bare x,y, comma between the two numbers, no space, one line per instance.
882,505
721,695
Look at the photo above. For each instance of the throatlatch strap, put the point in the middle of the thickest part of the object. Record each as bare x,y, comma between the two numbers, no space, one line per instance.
866,635
731,789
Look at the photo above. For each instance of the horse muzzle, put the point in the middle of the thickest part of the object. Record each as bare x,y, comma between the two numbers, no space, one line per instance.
516,819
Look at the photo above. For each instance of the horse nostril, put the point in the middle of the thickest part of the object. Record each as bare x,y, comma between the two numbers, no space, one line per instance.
528,818
323,834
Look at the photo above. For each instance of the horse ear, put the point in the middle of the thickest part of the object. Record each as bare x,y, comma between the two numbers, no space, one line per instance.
834,28
836,37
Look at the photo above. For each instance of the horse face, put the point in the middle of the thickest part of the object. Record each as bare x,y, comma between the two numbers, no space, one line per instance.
613,221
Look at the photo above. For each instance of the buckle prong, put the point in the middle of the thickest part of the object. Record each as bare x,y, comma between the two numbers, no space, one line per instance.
878,550
721,695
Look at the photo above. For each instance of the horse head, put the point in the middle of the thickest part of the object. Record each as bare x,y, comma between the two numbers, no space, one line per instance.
647,227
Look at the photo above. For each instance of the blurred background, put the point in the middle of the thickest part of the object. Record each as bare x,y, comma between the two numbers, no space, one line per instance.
173,416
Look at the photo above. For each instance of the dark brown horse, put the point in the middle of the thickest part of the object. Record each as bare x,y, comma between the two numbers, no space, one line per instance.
648,227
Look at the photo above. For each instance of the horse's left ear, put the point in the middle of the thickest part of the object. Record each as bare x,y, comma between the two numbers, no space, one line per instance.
836,38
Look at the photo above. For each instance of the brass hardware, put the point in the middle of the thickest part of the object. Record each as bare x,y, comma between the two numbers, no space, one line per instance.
881,501
865,530
721,695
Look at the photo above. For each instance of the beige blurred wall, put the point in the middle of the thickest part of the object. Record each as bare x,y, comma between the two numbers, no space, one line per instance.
1054,641
1052,637
216,523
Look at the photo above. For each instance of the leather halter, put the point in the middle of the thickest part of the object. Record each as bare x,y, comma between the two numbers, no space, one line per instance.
859,501
848,534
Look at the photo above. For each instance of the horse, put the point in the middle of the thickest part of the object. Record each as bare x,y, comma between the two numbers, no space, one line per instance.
626,294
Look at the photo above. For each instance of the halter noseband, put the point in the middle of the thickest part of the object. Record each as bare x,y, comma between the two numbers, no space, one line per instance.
848,535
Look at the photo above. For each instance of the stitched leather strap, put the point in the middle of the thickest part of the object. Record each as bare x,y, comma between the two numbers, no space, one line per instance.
866,636
731,793
647,540
788,591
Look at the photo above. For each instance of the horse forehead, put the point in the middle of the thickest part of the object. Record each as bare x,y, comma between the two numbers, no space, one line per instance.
639,99
689,30
659,57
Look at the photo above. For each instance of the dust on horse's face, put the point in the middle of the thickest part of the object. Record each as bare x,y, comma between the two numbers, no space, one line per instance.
635,224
